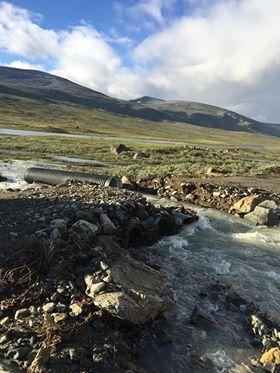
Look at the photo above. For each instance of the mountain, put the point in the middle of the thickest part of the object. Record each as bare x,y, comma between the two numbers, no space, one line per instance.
34,94
207,115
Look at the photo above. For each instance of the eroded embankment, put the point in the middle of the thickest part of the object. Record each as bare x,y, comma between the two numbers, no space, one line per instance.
72,295
259,206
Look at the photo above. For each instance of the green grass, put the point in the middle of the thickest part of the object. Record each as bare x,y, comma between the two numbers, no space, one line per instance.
252,153
162,160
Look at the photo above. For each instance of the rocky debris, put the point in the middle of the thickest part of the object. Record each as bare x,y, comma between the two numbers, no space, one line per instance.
236,200
119,148
137,293
247,204
69,275
266,213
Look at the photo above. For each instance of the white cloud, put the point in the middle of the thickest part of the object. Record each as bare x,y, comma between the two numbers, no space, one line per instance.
226,53
225,57
142,9
80,54
19,64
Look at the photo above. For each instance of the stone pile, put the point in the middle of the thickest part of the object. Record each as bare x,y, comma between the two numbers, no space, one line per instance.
255,205
67,283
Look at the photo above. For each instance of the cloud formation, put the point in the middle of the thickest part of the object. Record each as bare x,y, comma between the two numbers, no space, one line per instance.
225,52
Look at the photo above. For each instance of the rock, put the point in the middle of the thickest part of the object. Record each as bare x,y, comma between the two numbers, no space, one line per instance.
214,172
120,148
48,307
4,321
263,216
127,183
104,266
247,204
140,155
107,226
59,316
59,224
93,289
76,309
85,229
268,204
21,313
143,295
4,339
202,318
271,356
55,234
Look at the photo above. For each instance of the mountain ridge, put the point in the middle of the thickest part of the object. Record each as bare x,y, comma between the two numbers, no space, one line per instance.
45,87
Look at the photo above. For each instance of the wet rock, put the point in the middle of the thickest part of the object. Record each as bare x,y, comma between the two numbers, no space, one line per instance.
85,229
119,148
202,318
143,294
247,204
107,226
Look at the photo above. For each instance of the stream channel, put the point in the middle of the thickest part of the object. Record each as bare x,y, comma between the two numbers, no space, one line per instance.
217,247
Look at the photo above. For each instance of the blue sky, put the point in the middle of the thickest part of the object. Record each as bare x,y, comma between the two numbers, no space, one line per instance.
221,52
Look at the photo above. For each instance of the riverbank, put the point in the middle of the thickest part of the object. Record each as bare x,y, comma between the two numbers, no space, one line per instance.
71,288
255,199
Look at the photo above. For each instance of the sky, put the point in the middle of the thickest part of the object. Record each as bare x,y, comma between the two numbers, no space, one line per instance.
220,52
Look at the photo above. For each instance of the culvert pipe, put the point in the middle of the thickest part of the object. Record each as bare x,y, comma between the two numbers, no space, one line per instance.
56,177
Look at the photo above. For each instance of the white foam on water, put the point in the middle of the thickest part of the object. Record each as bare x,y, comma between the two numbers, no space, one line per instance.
176,242
14,172
222,267
223,362
202,224
257,236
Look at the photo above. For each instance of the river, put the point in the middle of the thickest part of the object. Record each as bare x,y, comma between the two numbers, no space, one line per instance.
217,247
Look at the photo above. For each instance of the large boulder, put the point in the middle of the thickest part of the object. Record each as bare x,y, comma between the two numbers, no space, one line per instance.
247,204
264,214
137,293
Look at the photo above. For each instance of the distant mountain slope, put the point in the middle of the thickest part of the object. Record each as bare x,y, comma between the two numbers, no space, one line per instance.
43,87
207,115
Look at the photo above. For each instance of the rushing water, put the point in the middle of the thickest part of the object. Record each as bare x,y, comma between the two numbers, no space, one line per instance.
221,247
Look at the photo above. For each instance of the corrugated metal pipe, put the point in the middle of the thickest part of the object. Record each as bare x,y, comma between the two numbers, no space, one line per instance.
56,177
